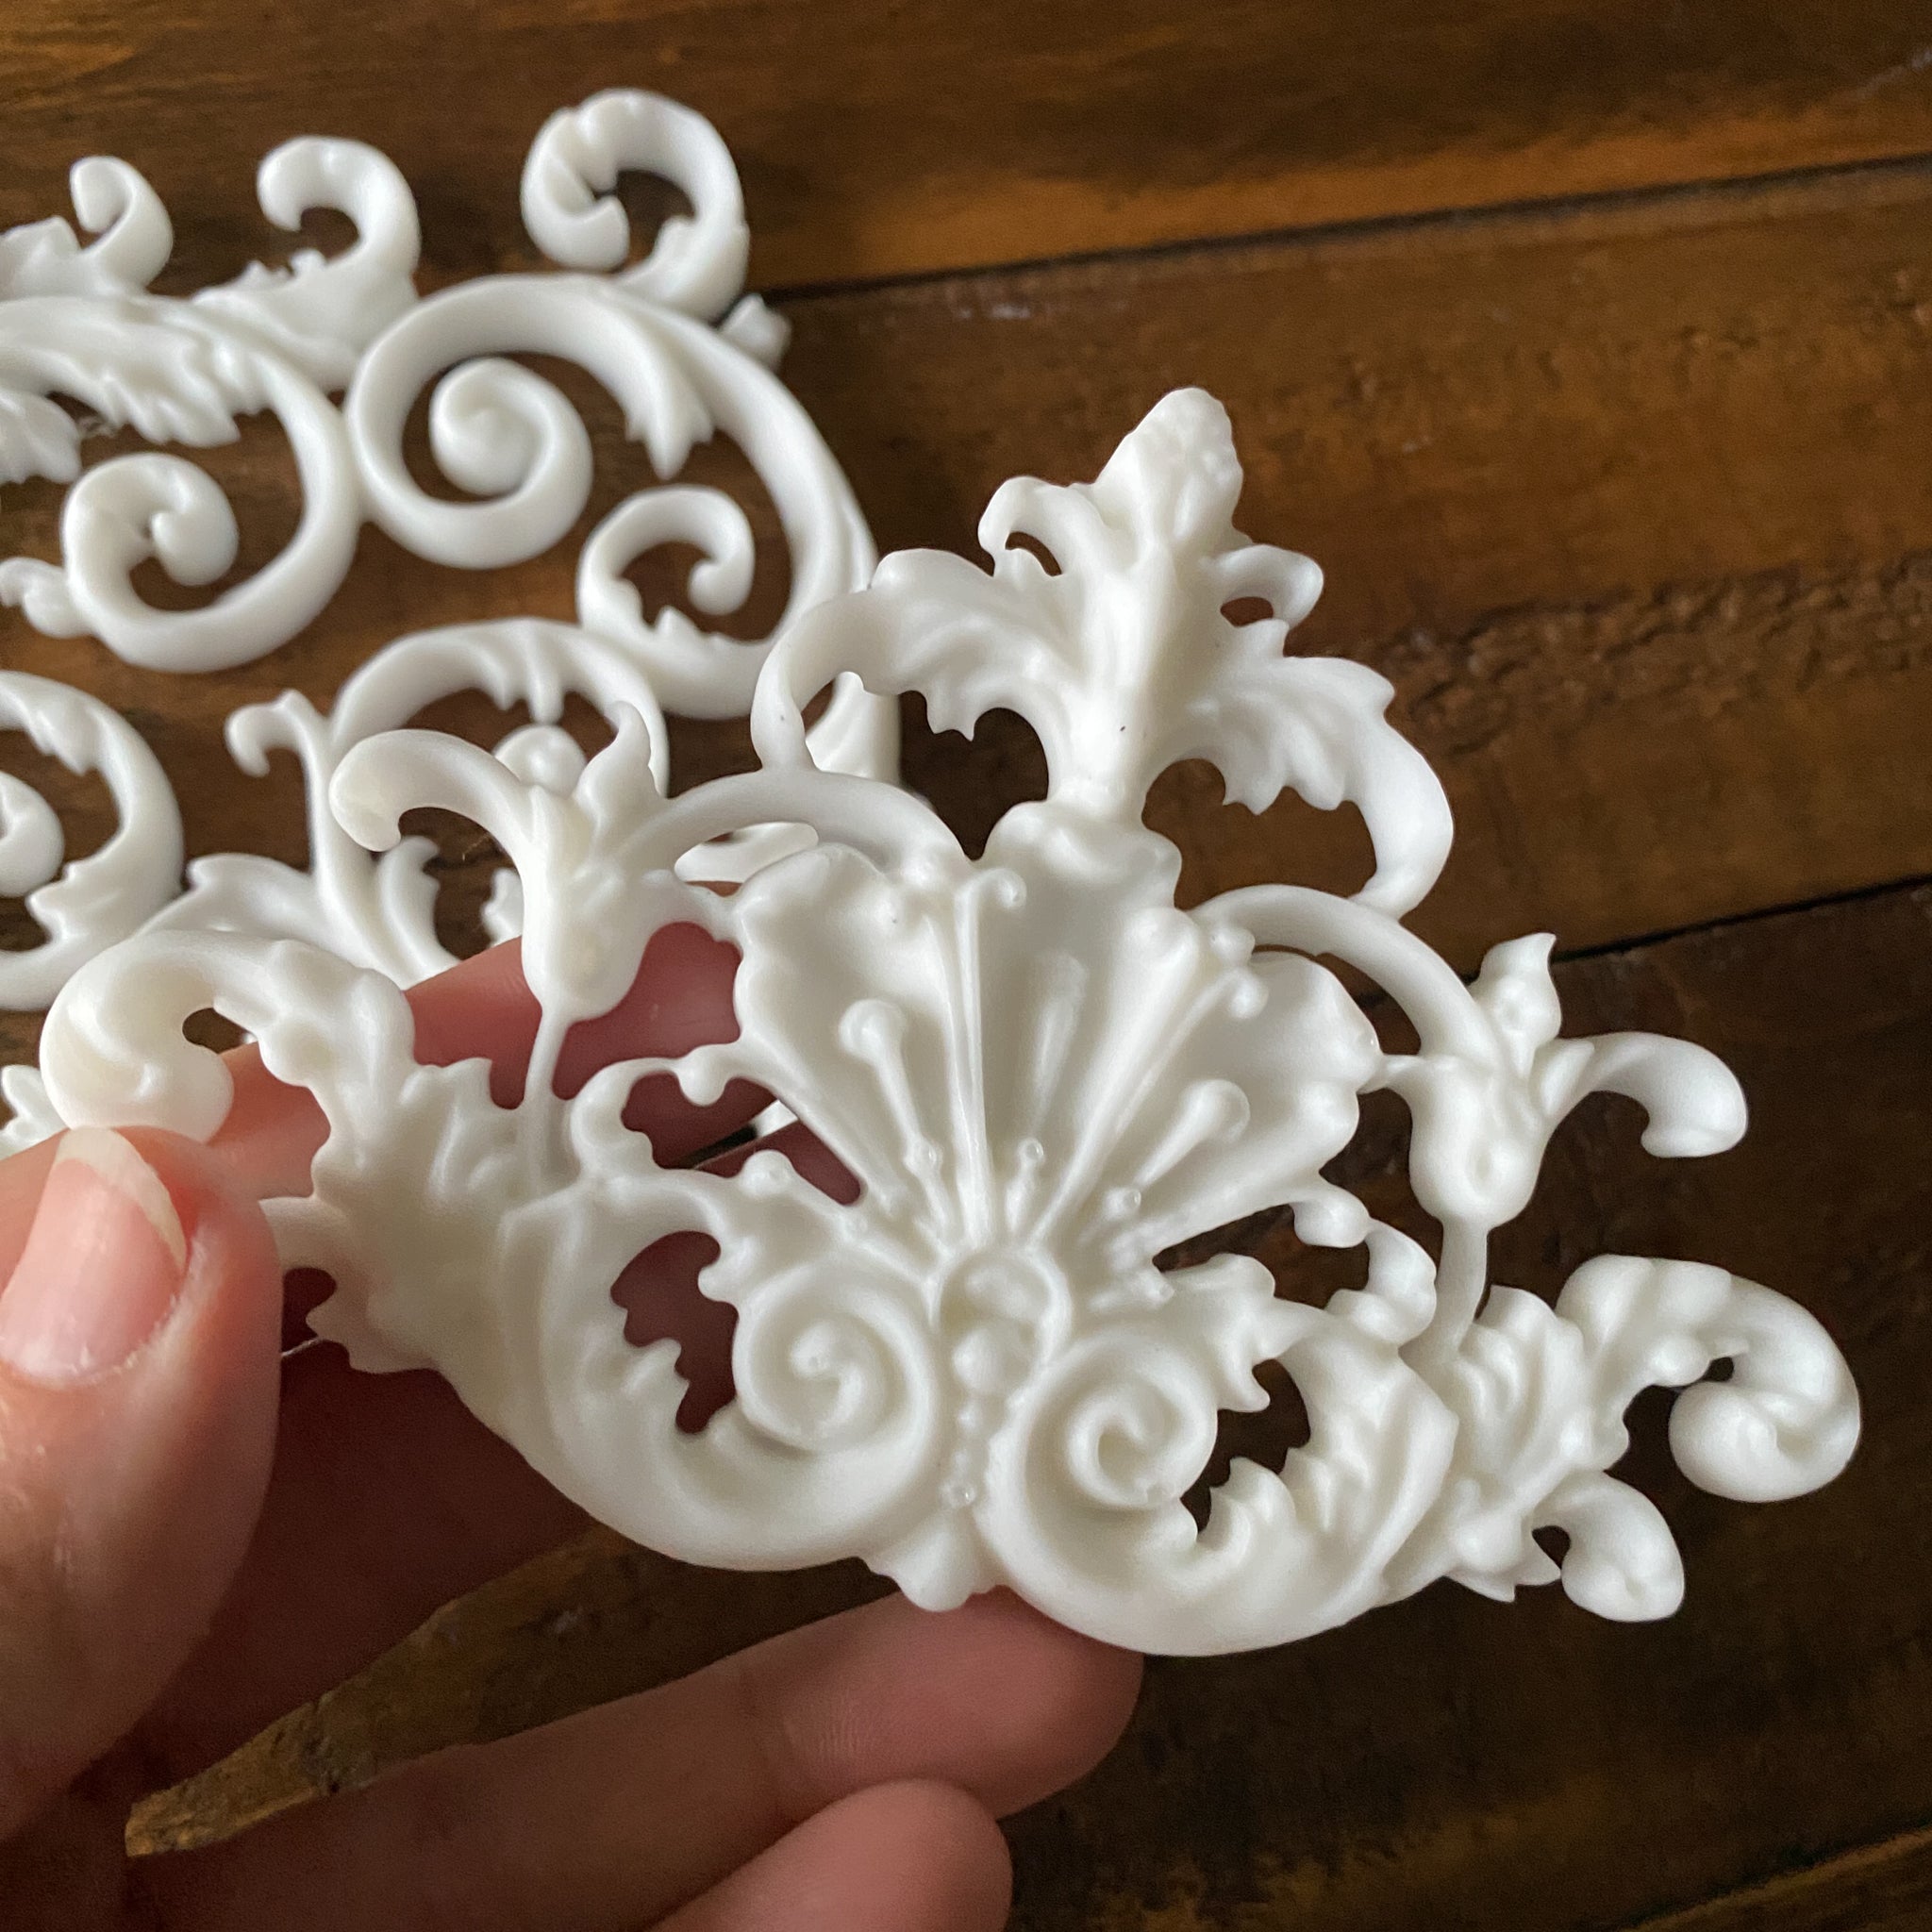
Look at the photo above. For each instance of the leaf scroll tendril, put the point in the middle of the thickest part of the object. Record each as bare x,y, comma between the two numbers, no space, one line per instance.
79,322
1123,660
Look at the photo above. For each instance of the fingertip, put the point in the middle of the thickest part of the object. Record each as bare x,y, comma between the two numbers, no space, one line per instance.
915,1856
937,1858
233,1293
992,1697
1059,1700
221,1252
199,1401
137,1426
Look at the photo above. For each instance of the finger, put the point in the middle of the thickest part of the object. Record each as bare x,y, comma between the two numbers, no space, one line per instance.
616,1816
481,1009
902,1857
388,1498
138,1344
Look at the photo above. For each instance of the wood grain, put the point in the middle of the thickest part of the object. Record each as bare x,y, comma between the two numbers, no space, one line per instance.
1880,1887
1451,1762
896,137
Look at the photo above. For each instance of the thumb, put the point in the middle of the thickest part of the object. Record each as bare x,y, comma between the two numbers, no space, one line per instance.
139,1381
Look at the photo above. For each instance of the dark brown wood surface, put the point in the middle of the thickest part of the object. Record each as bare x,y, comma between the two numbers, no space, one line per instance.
1632,504
893,137
1610,415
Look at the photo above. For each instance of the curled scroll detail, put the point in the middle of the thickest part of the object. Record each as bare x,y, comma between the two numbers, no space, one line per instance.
1039,1075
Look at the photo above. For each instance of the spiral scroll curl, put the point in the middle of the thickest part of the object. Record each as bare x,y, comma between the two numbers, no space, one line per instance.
646,333
88,905
185,371
1088,1517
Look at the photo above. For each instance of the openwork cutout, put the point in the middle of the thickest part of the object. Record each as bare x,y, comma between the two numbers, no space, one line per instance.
1042,1074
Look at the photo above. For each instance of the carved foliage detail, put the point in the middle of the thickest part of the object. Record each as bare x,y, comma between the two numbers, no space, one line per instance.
1041,1075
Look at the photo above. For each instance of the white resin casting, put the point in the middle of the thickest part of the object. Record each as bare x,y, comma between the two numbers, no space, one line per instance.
686,353
107,894
1041,1075
671,337
79,322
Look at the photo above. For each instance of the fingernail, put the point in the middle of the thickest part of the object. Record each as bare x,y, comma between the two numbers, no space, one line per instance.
103,1263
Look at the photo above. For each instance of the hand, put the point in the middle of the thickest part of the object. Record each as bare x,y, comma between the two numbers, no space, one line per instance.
196,1536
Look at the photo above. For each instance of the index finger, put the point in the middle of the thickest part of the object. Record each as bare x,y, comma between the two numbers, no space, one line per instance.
680,999
388,1498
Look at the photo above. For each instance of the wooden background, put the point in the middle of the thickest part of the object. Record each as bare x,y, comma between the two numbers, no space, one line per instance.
1587,344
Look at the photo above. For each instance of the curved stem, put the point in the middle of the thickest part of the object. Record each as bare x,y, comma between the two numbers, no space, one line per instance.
1416,976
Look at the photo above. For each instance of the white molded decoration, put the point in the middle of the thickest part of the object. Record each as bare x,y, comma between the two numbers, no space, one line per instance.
1041,1075
381,912
78,322
107,894
681,349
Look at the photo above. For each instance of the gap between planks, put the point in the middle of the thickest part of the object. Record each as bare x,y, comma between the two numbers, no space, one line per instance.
1853,1890
1648,198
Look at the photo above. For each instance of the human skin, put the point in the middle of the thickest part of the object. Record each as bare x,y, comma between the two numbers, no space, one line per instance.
198,1533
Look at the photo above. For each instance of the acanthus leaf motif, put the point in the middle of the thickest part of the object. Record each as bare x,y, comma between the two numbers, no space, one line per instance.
1124,660
132,238
81,323
1039,1074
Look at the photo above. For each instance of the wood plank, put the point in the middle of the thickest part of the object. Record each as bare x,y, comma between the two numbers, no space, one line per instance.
909,135
1451,1762
1631,504
1881,1888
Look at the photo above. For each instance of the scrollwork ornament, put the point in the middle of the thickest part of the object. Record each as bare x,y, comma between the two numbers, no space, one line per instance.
90,902
671,336
1040,1073
79,322
685,353
381,912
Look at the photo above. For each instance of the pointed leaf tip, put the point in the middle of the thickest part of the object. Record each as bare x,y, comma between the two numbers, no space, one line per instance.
1176,472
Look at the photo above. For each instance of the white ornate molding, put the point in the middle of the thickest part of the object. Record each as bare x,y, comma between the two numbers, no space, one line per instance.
379,912
79,321
1040,1073
685,353
109,894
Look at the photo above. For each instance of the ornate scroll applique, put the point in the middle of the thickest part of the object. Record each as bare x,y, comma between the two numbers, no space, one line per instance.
1040,1073
78,321
109,894
681,349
